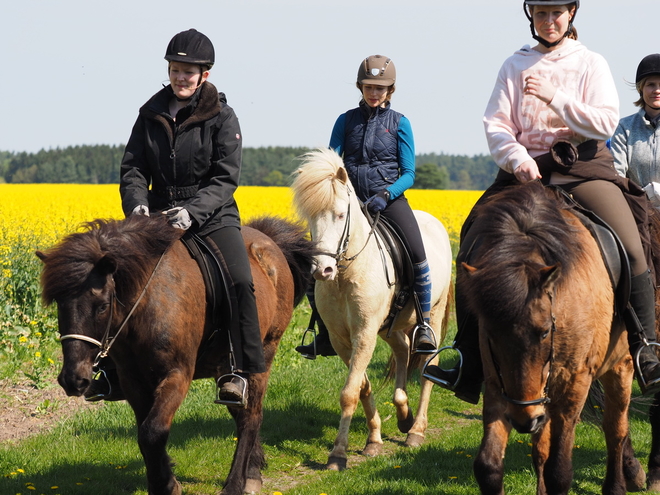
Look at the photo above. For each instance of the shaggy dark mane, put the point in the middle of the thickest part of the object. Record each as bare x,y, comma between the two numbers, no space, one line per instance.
519,222
131,245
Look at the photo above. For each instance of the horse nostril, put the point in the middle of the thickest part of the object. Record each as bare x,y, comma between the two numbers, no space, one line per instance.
328,270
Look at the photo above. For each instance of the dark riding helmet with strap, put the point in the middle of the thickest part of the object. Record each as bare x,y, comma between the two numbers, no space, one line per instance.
545,43
191,47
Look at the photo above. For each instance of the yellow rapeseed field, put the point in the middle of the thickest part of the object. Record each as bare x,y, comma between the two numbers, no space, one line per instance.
40,214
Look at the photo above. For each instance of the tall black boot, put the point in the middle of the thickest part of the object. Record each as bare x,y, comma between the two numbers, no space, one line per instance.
640,322
466,378
321,345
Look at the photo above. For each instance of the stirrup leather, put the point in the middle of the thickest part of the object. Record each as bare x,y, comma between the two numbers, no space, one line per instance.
638,368
102,378
313,344
414,349
438,381
228,378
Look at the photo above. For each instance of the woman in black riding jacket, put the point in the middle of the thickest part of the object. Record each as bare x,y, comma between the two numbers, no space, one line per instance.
186,144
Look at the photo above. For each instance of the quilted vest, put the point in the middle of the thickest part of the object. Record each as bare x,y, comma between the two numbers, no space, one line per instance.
371,149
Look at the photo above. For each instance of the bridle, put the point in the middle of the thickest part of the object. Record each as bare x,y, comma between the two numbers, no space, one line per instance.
544,399
108,340
342,246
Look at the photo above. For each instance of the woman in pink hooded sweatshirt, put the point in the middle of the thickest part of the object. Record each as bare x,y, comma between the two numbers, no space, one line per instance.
553,107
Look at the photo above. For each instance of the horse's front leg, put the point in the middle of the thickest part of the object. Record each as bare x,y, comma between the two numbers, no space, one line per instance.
489,462
398,342
245,473
357,387
618,384
154,417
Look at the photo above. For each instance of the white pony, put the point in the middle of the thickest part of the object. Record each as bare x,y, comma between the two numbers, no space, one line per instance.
353,295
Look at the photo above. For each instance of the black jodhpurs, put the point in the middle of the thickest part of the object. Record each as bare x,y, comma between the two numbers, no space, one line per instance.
401,215
248,352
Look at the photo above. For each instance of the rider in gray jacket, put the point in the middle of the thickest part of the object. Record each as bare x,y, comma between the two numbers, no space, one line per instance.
636,141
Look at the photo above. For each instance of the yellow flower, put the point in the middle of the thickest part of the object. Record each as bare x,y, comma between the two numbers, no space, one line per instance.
37,354
22,338
20,470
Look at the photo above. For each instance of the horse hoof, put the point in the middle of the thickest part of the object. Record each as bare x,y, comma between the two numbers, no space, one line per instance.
336,463
252,486
372,449
654,486
405,424
177,490
414,440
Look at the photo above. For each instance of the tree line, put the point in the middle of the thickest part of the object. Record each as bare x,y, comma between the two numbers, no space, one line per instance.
266,166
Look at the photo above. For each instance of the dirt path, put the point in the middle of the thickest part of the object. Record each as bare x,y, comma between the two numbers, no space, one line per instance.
26,410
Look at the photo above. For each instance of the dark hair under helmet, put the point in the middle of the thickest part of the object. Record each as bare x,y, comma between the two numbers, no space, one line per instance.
191,47
649,66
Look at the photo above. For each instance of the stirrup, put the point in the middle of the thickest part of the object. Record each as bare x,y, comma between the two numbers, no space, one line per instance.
313,344
415,350
228,378
638,368
439,381
100,377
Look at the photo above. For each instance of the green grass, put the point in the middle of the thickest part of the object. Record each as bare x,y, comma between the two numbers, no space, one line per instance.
96,451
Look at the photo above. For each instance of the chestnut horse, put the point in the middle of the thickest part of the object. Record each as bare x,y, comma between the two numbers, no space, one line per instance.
136,282
354,289
547,329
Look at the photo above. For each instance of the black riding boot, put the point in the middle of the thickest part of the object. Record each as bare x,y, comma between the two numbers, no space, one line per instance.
640,321
321,345
464,379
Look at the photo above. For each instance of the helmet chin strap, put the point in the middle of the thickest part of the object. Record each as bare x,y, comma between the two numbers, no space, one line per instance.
196,90
542,41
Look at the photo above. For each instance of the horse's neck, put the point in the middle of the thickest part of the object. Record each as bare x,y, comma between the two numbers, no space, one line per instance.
362,243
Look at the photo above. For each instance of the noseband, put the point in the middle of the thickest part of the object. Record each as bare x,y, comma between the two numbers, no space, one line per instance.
544,399
107,341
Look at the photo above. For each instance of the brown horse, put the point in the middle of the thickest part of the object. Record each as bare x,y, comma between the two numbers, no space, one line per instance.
547,329
160,338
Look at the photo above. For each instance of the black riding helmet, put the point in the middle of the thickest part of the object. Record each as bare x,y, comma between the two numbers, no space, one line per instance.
649,66
191,47
526,3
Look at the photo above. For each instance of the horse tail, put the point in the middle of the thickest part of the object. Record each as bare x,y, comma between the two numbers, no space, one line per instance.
297,248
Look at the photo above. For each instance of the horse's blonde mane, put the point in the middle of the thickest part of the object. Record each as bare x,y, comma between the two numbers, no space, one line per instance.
318,181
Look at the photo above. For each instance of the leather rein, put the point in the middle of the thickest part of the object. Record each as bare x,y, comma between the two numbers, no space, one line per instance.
107,341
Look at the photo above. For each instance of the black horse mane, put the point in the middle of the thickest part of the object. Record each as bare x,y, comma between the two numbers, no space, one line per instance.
519,222
129,246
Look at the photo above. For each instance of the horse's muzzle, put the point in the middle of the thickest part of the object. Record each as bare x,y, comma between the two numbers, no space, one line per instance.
74,384
527,423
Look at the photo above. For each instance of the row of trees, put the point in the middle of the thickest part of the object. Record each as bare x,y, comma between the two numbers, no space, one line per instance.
269,166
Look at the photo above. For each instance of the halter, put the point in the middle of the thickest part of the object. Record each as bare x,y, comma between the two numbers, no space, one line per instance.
107,341
544,399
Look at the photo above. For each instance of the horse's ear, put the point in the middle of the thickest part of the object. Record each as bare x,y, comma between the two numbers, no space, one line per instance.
41,255
468,269
106,265
342,175
549,275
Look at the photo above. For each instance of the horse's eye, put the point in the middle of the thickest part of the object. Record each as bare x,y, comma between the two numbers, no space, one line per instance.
341,216
102,309
545,334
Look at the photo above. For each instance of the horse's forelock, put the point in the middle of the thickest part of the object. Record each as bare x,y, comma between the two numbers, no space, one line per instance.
130,244
318,182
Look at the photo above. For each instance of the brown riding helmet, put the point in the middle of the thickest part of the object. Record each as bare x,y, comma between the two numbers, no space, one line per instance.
377,70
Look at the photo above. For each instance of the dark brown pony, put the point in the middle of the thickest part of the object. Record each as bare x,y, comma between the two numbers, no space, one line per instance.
96,278
547,328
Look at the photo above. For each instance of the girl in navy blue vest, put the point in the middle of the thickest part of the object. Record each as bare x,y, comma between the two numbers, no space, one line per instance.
378,149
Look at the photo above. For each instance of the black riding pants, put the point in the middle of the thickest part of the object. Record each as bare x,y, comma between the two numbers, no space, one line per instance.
248,348
401,215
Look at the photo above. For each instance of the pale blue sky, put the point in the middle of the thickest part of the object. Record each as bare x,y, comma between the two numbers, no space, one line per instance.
75,72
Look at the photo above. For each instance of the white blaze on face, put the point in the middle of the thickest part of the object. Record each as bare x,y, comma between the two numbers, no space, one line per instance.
327,230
